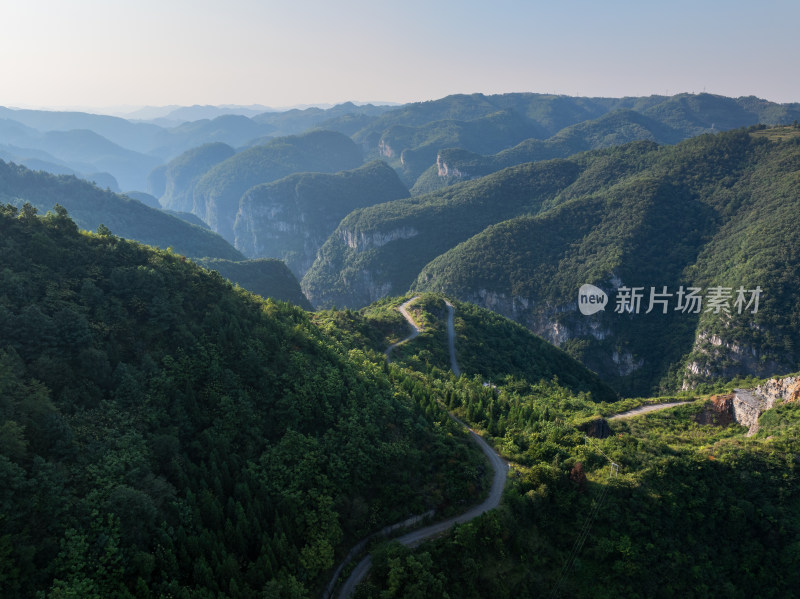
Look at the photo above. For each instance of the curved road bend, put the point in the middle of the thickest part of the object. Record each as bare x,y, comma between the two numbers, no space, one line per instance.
415,330
500,468
646,409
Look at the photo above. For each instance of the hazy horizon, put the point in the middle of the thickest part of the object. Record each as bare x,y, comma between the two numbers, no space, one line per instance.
123,54
128,111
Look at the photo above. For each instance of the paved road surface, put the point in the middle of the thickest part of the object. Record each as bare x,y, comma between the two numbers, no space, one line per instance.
646,409
499,467
415,330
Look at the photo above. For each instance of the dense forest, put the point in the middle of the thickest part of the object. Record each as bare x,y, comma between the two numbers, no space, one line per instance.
176,421
692,511
163,433
691,507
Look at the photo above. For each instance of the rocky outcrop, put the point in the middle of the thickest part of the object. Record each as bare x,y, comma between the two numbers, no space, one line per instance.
386,150
716,357
780,390
745,406
362,241
443,170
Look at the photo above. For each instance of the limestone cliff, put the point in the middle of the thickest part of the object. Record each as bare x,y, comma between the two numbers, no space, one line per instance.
291,218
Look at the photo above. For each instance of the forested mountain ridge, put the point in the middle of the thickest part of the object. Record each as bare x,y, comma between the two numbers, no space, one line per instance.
612,129
593,498
267,277
379,250
91,206
548,126
162,433
654,215
487,345
715,211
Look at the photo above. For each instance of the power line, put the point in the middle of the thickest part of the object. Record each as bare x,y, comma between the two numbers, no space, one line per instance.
587,525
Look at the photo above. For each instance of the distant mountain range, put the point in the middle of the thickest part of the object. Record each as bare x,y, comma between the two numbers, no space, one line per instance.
409,136
314,187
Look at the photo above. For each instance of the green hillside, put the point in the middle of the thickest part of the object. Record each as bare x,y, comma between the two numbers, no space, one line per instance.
487,345
691,510
712,211
181,174
217,193
266,277
292,217
379,251
685,506
90,207
164,434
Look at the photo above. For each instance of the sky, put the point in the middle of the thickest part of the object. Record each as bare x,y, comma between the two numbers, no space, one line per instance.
122,53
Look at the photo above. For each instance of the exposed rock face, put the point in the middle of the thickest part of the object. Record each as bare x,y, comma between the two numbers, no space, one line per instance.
443,170
745,406
361,241
780,390
717,357
385,149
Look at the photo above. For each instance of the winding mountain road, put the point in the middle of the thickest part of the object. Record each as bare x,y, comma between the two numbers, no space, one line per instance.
499,467
415,329
646,409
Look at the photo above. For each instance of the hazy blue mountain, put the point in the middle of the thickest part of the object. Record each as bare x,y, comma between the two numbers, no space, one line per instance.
36,160
189,218
184,114
82,150
412,135
233,130
217,193
411,150
137,137
144,198
181,174
89,206
294,121
614,128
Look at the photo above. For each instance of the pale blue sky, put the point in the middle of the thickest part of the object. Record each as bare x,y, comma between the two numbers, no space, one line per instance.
159,52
